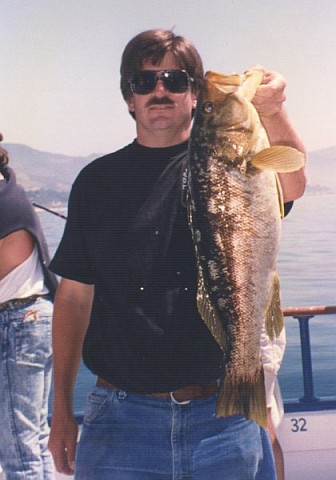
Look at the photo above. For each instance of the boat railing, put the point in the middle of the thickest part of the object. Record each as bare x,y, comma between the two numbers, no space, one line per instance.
308,402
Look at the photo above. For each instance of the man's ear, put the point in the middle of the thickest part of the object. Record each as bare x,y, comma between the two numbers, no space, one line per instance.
130,104
194,100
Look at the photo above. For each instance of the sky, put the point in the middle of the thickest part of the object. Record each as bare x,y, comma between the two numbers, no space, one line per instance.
60,60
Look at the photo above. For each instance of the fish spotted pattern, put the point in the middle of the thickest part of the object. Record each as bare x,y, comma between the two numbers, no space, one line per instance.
235,208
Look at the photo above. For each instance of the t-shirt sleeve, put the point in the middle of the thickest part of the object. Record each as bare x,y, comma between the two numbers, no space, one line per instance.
71,259
288,207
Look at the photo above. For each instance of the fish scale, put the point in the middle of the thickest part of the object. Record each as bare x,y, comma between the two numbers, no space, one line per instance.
235,220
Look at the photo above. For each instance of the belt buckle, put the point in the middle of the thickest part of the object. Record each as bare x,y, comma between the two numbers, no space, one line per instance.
183,402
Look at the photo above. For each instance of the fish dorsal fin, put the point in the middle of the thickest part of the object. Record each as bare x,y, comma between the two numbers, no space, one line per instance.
251,81
280,158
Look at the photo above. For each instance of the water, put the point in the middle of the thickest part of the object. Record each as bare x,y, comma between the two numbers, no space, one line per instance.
307,268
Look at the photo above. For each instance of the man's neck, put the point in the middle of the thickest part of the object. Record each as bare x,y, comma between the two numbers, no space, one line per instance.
162,139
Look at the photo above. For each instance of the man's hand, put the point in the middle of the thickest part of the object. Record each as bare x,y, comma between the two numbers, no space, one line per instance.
62,444
270,96
269,103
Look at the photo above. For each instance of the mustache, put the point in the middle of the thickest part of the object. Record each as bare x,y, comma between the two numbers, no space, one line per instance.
159,101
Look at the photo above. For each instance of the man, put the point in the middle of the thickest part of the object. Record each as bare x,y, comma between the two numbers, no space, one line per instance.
128,292
26,290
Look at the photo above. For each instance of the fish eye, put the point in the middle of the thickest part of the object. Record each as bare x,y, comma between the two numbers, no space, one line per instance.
208,107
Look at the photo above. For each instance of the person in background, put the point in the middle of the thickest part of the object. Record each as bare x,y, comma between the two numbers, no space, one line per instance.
27,288
127,298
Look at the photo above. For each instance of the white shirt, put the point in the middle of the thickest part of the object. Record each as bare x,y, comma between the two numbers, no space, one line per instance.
272,352
25,280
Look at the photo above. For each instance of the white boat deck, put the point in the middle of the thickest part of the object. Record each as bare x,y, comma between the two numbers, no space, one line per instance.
308,441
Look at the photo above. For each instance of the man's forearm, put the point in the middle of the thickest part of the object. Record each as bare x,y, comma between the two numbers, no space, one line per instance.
71,318
281,132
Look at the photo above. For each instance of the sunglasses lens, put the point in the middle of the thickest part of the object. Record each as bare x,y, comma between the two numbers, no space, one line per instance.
143,82
175,81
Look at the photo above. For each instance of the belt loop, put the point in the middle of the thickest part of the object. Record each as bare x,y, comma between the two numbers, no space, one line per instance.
121,394
186,402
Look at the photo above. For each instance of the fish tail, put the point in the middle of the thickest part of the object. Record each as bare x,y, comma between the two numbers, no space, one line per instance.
274,321
246,398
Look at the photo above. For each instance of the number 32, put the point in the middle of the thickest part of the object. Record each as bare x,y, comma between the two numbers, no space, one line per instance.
299,425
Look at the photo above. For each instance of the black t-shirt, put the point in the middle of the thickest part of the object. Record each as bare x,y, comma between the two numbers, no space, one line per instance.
127,233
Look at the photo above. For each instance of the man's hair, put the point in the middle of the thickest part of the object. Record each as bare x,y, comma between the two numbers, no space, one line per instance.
152,46
3,155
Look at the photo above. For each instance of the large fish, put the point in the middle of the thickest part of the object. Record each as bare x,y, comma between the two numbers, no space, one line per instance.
235,208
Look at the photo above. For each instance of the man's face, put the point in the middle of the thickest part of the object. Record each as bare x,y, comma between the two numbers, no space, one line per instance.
161,113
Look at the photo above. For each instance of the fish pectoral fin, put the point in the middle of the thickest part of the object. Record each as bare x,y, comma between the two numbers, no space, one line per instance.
280,158
274,320
243,397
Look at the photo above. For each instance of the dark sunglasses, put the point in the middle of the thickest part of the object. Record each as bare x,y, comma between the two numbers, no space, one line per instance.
175,81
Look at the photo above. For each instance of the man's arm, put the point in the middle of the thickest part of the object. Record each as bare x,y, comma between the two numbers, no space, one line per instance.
269,102
72,311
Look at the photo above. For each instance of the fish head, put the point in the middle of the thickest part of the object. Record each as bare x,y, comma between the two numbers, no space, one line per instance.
224,119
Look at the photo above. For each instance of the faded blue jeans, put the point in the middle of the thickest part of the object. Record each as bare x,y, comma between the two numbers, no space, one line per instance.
133,437
25,378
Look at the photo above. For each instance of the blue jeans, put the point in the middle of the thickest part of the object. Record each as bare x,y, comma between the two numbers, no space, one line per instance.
25,378
134,437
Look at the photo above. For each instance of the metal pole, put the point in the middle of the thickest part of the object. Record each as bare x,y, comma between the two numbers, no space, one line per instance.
307,370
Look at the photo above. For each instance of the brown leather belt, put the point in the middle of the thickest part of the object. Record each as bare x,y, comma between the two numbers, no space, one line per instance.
184,394
17,302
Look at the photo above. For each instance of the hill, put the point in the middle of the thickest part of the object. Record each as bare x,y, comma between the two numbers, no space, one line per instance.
48,176
321,170
43,170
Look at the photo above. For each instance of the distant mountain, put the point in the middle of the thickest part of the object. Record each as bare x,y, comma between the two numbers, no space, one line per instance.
321,170
48,176
43,170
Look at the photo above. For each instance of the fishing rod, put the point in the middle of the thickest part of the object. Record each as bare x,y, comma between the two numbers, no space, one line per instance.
49,210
